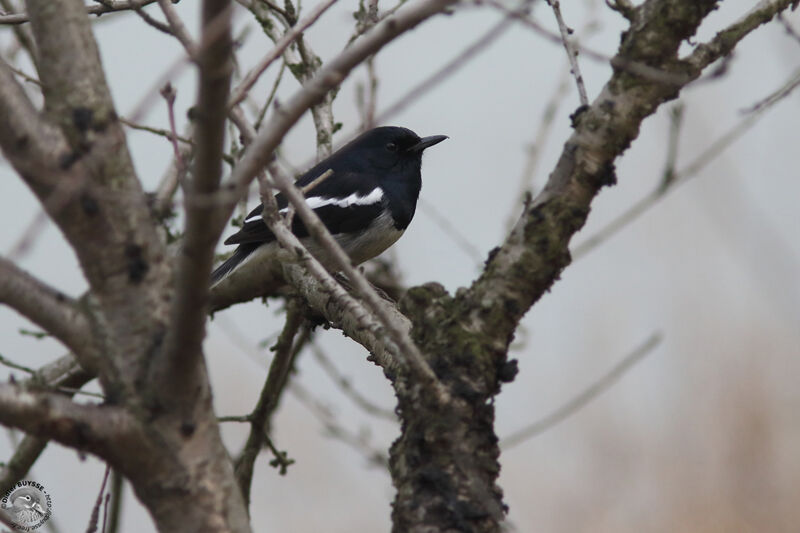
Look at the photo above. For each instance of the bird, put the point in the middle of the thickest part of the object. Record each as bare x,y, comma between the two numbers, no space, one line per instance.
366,201
25,506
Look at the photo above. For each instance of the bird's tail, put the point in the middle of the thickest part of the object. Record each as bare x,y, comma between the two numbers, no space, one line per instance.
232,262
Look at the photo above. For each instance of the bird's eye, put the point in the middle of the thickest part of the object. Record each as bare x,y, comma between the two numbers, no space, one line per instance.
392,147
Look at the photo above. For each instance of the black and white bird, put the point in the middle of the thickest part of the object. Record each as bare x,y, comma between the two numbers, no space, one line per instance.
366,203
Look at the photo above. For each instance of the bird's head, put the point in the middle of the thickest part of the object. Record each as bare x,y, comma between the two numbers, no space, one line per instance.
24,500
390,148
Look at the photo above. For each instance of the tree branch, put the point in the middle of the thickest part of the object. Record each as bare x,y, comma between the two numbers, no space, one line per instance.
63,372
107,431
56,313
96,188
584,397
28,141
109,6
572,54
185,337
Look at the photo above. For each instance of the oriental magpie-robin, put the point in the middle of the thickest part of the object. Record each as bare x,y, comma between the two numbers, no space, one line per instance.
366,203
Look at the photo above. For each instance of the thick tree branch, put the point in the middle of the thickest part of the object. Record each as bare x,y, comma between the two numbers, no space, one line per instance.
107,431
98,202
28,141
185,337
63,372
56,313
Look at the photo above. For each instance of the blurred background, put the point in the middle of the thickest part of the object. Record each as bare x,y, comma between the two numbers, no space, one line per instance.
701,434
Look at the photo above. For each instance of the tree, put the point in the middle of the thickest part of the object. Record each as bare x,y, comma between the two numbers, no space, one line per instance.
140,327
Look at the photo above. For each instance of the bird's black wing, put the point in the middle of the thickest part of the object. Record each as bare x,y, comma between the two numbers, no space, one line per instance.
253,230
336,217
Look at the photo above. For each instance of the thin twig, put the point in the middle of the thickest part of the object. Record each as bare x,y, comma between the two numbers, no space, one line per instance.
95,516
358,442
157,131
458,238
586,396
572,53
16,366
319,179
117,487
178,28
790,85
347,387
479,45
271,97
106,503
236,418
168,93
157,24
689,171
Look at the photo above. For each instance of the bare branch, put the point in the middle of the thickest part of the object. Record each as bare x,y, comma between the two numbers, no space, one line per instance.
782,92
95,516
634,67
479,45
55,312
27,140
572,53
178,28
104,430
347,387
586,396
108,6
726,40
63,372
357,441
184,340
666,186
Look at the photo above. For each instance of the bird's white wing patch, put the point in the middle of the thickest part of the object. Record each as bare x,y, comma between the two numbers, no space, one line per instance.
375,196
314,202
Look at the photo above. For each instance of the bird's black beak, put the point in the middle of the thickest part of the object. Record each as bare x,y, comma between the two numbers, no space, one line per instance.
427,142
